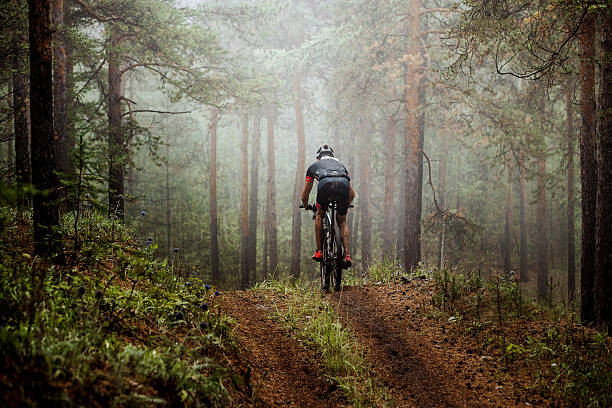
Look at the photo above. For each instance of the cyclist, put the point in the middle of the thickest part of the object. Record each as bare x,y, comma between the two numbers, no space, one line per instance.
334,183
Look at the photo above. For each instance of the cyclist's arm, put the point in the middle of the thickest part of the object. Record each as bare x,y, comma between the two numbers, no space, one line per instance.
306,192
352,194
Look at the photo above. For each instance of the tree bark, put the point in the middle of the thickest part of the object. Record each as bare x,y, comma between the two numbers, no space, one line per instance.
401,208
168,205
11,139
541,238
571,244
253,202
524,267
442,195
244,202
70,122
21,109
364,193
413,146
47,236
508,225
458,161
59,90
116,148
296,231
390,218
214,238
588,166
270,224
603,254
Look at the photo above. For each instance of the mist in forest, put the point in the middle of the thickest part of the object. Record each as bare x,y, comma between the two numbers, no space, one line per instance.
195,122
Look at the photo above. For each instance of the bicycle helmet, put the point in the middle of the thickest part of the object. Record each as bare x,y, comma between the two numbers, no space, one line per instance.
325,150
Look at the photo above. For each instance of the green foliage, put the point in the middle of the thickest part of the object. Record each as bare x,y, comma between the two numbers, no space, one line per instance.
390,271
116,327
570,363
577,365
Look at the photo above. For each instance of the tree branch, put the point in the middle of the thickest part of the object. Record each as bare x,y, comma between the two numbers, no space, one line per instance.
440,10
92,13
155,111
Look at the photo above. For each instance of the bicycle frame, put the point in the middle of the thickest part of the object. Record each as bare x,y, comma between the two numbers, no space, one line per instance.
333,250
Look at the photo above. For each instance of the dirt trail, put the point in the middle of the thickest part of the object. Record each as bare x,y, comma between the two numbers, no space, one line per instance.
283,371
415,358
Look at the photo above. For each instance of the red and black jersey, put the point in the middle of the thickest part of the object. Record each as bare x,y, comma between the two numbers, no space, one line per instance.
326,167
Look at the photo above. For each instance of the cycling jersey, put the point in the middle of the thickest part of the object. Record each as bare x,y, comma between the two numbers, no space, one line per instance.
333,183
326,167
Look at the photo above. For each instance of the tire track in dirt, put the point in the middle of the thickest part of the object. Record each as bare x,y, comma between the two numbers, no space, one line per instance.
413,358
283,371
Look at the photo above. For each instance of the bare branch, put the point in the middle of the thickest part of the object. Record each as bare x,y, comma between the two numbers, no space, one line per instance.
155,111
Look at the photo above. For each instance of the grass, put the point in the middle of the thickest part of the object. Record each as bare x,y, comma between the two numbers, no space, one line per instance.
311,318
114,328
570,363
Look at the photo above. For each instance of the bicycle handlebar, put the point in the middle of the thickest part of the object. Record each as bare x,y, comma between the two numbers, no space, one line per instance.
312,207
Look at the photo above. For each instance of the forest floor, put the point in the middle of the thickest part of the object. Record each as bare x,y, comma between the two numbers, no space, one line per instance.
412,354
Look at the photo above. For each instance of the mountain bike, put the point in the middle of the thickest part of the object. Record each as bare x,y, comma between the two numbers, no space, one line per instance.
333,250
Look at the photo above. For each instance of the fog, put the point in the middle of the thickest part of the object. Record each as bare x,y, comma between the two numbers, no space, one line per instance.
454,135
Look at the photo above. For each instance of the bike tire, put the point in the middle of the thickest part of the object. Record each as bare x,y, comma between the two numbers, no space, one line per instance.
338,259
326,273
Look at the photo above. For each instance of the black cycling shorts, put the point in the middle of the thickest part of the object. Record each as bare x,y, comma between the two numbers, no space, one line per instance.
334,189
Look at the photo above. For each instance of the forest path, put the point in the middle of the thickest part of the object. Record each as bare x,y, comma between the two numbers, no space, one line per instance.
415,358
413,355
283,371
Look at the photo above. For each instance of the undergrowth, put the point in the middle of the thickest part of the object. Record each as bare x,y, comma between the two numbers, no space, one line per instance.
571,363
311,318
114,328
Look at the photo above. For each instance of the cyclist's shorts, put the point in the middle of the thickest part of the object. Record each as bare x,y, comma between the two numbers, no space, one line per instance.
334,189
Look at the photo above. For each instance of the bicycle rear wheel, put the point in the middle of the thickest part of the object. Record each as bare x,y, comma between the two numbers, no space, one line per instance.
326,273
337,259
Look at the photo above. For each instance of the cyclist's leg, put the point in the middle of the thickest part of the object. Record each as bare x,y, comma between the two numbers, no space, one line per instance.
344,232
343,186
319,226
322,203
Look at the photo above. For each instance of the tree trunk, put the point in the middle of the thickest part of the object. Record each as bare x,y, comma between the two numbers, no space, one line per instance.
571,245
244,202
59,90
364,193
541,238
11,138
70,122
413,147
603,263
390,218
47,237
21,109
400,210
253,202
524,268
588,165
168,205
214,238
271,193
116,146
442,196
296,231
352,216
508,226
458,160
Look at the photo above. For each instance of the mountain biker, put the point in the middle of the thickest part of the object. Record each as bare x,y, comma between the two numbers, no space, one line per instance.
333,183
